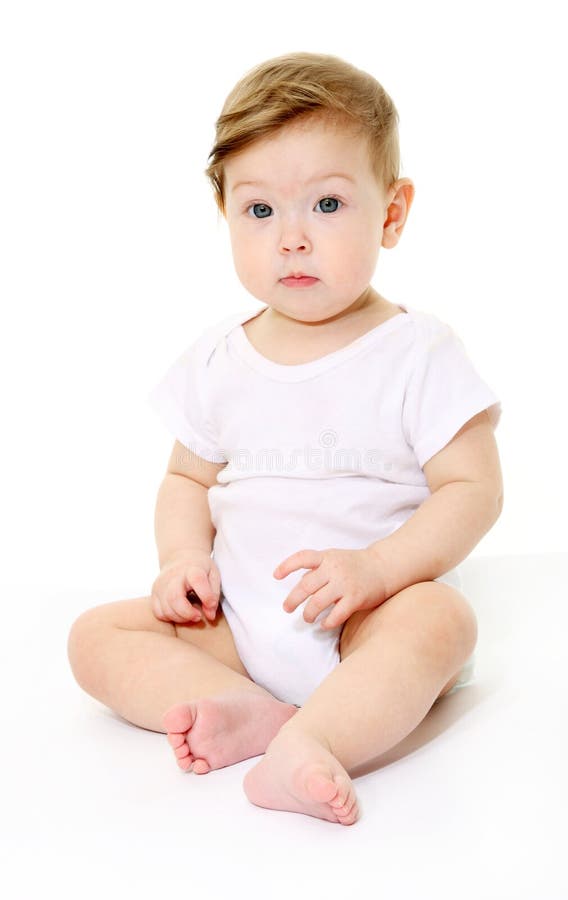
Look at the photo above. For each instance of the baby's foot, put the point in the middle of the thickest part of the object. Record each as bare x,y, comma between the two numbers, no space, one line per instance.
298,774
218,731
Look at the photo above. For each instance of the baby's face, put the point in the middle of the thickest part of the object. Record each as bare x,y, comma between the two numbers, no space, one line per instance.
314,207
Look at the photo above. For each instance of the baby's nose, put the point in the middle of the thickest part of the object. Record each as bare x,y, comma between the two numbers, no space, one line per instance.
293,246
293,234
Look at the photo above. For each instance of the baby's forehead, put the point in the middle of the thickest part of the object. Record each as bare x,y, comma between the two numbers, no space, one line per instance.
312,128
313,153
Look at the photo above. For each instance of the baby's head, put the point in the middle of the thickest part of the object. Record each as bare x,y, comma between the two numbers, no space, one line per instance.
301,86
287,131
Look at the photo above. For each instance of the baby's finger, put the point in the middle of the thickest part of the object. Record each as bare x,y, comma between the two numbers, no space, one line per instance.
157,608
199,582
210,611
308,586
175,598
339,614
184,610
293,600
166,611
303,559
210,606
215,581
320,601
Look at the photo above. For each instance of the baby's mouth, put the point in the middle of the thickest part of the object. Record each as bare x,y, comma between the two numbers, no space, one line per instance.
299,280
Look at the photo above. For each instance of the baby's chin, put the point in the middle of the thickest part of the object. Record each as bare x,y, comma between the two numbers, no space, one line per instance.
306,311
309,306
307,316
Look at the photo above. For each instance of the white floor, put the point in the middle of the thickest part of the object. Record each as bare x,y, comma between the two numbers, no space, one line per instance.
471,805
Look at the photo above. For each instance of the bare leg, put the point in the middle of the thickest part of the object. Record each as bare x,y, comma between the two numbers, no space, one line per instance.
138,666
375,697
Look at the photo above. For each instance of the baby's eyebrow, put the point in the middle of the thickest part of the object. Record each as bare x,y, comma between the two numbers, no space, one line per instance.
309,181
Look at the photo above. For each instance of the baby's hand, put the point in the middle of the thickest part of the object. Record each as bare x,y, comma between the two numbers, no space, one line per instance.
190,573
351,579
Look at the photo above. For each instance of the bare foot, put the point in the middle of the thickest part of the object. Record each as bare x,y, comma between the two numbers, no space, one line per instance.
298,774
219,731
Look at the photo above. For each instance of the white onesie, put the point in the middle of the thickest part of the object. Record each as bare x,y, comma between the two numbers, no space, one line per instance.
323,454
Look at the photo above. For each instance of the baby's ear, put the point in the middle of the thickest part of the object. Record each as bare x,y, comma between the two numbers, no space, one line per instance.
397,212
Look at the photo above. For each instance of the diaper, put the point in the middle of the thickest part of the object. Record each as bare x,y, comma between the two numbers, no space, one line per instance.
465,677
290,657
283,653
467,671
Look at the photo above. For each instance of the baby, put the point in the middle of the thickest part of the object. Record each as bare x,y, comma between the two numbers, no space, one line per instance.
334,462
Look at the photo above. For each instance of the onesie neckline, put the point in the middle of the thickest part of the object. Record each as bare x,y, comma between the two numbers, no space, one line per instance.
303,371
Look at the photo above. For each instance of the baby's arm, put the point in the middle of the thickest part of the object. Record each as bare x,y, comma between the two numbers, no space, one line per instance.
466,500
184,537
182,520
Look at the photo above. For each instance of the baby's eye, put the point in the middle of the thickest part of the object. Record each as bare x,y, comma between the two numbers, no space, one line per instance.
325,201
263,210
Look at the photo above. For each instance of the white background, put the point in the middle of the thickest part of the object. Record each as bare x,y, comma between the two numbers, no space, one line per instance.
114,258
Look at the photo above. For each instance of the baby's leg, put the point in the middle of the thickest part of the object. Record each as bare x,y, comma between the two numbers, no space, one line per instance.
396,659
190,676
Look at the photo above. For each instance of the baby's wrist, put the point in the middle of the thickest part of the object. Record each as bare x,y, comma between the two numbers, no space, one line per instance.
380,560
183,553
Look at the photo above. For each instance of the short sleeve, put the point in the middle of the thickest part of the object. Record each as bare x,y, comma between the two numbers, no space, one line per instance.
180,400
443,392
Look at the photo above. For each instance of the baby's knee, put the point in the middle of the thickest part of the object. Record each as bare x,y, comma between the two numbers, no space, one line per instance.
457,621
83,642
449,621
89,643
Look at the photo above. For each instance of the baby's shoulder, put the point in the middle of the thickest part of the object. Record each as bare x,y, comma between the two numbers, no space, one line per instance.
429,329
203,346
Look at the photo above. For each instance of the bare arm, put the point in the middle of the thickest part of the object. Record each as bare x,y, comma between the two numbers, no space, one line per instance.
182,520
466,501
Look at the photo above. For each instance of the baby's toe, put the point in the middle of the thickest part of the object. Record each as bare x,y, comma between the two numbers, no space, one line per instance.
343,793
321,785
182,752
180,718
176,740
185,763
348,818
349,812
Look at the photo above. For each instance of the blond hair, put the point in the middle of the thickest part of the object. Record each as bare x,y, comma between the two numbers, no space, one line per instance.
305,85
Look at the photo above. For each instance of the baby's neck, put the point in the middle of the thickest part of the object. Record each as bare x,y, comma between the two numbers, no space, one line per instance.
289,342
369,303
